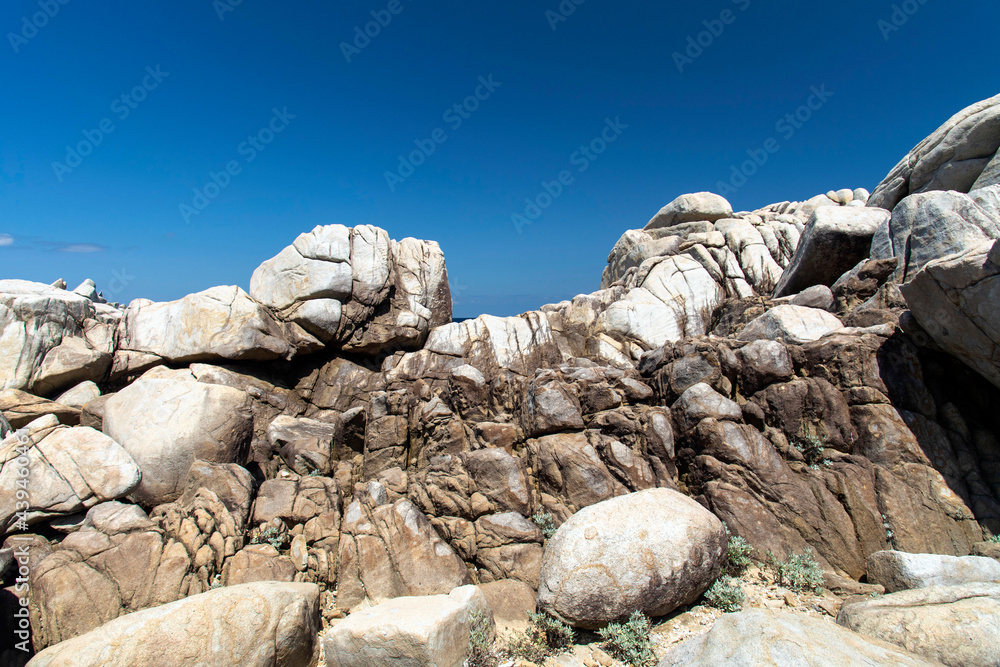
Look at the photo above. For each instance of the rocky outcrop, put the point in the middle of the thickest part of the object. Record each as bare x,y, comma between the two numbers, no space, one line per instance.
257,625
60,470
651,551
952,158
51,338
954,625
167,419
954,299
691,208
427,630
357,288
898,571
774,639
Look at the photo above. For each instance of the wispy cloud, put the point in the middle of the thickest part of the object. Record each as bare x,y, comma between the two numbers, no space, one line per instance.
81,247
6,239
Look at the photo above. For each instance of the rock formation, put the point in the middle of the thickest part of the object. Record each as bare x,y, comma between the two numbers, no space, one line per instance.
820,375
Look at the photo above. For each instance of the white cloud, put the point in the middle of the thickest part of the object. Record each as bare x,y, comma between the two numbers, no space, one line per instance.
6,239
82,247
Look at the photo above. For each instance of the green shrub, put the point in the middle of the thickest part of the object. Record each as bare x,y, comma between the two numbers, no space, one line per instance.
546,523
269,535
738,556
725,595
544,637
629,642
995,539
800,573
811,448
481,650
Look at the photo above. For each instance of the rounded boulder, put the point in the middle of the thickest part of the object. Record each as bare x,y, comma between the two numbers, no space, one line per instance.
650,551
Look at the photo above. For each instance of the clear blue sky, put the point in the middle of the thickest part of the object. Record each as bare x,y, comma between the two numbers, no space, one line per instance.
116,218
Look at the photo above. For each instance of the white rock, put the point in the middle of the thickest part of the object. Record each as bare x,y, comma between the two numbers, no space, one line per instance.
69,470
691,208
650,551
407,631
167,419
897,570
792,324
261,624
79,395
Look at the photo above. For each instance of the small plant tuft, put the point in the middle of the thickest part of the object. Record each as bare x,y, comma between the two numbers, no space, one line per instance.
546,523
811,449
726,595
629,642
481,650
995,539
800,573
269,535
738,556
544,637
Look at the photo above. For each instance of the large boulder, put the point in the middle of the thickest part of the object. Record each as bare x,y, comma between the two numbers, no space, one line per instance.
51,338
761,638
928,226
218,323
167,419
791,324
898,570
425,630
955,300
835,239
691,208
955,625
63,469
357,288
261,624
952,158
650,551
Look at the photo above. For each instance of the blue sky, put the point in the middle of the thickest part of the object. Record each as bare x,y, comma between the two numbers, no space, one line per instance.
206,85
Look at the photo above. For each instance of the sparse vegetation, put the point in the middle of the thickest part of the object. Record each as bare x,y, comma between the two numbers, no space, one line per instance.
726,594
482,652
545,637
800,573
995,539
629,641
269,535
812,451
546,523
738,556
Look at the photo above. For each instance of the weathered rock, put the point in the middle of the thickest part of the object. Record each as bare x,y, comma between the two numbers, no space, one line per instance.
218,323
955,300
792,324
410,631
651,551
817,296
20,408
80,395
568,466
898,571
951,158
51,338
927,227
510,601
835,239
501,478
167,419
262,624
392,550
304,444
955,625
762,638
68,469
702,402
764,362
691,208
